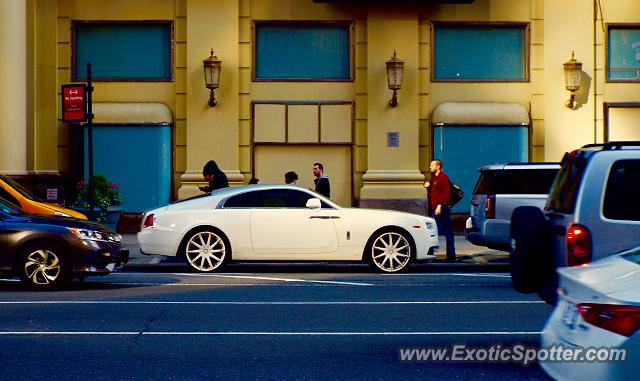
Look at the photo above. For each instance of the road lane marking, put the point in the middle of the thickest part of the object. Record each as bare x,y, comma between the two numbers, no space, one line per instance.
278,279
239,333
419,302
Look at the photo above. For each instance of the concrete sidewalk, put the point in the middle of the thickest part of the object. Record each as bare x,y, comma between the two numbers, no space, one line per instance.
467,254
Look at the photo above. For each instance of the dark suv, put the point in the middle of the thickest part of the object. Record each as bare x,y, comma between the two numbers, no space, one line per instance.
593,211
500,189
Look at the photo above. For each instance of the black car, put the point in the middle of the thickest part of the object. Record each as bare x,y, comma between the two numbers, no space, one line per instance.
48,252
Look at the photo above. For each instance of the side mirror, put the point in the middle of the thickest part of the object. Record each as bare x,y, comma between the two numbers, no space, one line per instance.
314,203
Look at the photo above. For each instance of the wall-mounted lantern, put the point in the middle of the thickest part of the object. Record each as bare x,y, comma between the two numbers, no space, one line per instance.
572,77
212,67
395,67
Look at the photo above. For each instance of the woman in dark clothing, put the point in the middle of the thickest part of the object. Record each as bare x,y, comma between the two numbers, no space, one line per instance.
216,178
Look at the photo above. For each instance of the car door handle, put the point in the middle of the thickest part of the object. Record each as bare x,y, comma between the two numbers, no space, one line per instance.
324,217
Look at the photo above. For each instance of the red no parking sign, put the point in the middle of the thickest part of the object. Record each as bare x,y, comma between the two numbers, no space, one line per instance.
74,103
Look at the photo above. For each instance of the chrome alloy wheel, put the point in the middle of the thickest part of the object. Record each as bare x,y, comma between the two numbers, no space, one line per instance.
42,267
206,251
391,251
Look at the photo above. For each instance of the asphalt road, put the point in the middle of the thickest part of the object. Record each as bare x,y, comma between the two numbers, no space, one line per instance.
343,324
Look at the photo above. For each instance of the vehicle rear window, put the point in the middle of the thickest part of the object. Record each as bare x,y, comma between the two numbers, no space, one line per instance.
622,195
516,181
564,191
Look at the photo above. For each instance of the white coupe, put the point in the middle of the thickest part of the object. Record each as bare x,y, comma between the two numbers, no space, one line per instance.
284,223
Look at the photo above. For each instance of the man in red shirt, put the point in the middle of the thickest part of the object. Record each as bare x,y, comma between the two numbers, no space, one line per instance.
439,194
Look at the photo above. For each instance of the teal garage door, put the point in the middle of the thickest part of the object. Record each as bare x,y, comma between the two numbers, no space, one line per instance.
465,148
137,158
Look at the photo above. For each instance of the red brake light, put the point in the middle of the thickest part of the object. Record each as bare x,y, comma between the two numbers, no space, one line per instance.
578,245
149,220
490,211
621,319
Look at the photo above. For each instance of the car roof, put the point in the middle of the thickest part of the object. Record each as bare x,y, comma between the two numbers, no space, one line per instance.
520,165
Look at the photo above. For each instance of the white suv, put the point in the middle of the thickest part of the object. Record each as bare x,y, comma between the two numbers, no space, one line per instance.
593,211
500,189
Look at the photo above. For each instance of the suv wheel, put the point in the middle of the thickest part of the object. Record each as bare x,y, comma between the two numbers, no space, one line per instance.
530,249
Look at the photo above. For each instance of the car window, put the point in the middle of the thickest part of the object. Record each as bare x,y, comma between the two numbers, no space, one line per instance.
485,183
622,194
242,200
7,196
271,198
19,188
525,181
564,191
515,181
9,208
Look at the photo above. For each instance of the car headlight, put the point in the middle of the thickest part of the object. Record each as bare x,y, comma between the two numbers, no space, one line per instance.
95,235
57,213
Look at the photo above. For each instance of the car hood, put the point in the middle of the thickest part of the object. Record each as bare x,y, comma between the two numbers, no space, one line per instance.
60,209
613,276
66,222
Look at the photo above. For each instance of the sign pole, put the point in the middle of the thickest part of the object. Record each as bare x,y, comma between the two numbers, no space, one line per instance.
90,139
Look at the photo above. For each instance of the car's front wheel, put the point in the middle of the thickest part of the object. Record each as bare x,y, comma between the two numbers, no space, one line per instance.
389,251
44,266
206,250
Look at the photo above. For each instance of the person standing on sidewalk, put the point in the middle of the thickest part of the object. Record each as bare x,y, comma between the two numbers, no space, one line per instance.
438,192
321,180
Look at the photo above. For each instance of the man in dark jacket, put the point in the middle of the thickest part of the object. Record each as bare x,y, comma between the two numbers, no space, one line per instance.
322,182
214,175
439,195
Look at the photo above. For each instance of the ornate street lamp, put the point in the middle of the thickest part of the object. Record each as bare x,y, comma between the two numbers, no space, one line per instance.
394,77
212,67
572,77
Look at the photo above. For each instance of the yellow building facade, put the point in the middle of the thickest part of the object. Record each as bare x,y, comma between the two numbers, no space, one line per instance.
376,155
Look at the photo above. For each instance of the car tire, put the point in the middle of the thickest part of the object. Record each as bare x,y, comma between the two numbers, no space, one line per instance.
44,266
206,250
389,250
530,249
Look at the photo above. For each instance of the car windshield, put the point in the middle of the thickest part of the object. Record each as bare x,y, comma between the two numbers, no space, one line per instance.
19,188
564,191
8,208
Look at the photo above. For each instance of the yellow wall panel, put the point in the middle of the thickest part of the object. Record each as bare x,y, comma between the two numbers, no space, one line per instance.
123,9
269,123
181,132
624,124
302,123
336,122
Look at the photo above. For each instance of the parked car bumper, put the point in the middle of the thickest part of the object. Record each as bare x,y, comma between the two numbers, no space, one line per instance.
98,257
494,234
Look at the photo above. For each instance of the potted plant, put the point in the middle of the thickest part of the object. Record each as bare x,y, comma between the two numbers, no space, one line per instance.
106,200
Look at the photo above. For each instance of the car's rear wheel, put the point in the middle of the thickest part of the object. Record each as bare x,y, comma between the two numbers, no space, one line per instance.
530,249
44,266
389,251
206,250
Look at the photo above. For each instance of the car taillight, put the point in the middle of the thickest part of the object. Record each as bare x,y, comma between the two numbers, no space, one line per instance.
578,245
490,211
621,319
149,220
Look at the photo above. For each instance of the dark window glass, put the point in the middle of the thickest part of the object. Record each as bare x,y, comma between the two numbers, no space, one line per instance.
622,195
515,181
529,181
123,51
9,208
302,51
7,196
479,52
272,198
243,200
623,59
564,191
485,183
